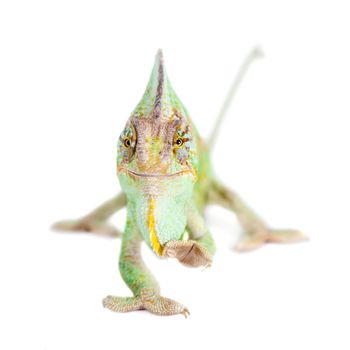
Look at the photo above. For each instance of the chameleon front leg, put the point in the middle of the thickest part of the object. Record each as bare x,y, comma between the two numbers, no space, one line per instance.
140,280
199,250
96,220
256,232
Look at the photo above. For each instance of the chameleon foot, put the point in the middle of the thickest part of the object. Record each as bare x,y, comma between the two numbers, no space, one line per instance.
254,241
148,300
120,304
189,253
85,225
159,305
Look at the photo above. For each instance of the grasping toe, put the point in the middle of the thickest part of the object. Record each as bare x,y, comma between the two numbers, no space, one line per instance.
189,253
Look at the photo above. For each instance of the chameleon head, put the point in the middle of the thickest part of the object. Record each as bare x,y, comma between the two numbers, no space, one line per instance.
157,162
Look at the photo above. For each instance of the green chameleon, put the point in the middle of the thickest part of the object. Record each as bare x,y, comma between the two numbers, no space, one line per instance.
167,179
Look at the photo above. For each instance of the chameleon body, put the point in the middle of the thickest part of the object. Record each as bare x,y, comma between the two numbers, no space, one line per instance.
166,177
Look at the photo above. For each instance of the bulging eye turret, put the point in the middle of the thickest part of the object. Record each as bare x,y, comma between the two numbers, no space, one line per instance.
183,145
127,143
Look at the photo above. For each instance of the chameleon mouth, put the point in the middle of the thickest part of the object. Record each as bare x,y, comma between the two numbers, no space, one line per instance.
156,175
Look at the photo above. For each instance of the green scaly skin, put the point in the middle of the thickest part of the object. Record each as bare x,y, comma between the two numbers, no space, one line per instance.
167,180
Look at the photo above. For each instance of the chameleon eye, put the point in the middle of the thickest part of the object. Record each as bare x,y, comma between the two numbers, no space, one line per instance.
127,143
179,142
183,144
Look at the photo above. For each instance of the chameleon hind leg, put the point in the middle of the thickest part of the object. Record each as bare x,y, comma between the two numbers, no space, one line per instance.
96,220
256,232
141,282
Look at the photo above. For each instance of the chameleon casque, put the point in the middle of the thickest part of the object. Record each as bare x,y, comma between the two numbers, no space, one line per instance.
166,177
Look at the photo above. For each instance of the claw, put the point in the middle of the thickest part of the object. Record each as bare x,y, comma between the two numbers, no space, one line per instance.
206,266
185,312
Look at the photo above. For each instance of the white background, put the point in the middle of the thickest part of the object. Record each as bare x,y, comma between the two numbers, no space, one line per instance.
72,71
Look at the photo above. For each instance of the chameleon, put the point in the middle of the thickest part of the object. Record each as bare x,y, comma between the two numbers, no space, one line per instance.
167,180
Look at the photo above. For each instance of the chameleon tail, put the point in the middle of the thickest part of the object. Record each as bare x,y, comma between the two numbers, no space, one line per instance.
252,55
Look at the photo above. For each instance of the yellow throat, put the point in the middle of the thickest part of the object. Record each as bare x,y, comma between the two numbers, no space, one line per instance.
156,246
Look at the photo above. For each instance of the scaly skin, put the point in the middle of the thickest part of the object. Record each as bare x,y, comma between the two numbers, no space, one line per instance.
167,180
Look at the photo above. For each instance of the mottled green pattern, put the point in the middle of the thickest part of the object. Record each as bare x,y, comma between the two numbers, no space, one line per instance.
166,185
165,178
131,266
